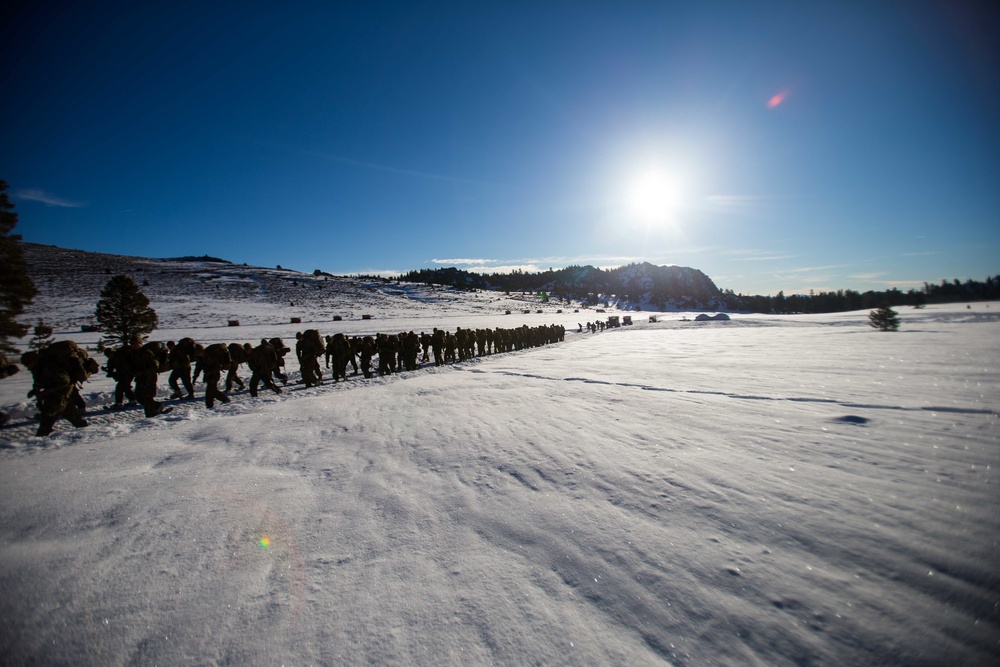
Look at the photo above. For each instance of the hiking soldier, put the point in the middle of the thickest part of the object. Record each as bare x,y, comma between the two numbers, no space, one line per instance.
425,345
263,360
118,370
481,342
328,351
355,346
450,345
437,346
56,370
238,354
181,355
215,359
145,362
409,344
341,353
280,350
198,368
386,354
309,347
366,352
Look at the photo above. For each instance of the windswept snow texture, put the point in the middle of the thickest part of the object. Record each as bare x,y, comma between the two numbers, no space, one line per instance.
768,490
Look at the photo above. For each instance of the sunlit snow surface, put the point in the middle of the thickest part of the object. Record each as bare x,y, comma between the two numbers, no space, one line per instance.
771,490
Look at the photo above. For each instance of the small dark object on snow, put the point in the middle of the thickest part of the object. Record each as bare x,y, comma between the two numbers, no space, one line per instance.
852,419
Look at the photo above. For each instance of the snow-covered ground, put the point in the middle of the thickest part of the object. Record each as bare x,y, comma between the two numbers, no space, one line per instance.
789,490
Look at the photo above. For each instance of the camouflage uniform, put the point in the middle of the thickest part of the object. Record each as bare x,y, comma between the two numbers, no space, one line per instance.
181,355
145,362
117,369
437,346
368,350
309,348
238,354
280,350
386,354
341,353
328,352
481,342
450,345
425,345
355,345
409,350
55,371
263,362
214,358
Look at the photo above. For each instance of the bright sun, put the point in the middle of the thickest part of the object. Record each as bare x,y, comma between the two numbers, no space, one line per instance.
654,197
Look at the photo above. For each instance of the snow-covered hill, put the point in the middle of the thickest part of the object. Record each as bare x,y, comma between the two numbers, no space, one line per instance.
797,490
202,293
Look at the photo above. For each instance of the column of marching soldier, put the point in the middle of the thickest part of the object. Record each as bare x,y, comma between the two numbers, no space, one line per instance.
59,370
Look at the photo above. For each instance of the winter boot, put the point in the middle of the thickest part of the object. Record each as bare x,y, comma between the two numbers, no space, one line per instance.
45,426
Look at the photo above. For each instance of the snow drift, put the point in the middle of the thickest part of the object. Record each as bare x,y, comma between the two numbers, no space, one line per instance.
768,490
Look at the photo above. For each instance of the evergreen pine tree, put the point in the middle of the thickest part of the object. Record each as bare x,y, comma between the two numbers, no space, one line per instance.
124,311
16,287
884,318
42,338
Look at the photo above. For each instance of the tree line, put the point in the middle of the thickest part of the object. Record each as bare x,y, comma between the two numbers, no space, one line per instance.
660,285
683,287
847,300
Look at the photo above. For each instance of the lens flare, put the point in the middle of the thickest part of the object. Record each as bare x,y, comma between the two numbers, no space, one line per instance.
777,99
264,542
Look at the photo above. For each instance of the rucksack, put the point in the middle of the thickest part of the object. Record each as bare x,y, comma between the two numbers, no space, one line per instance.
217,356
70,357
312,343
237,353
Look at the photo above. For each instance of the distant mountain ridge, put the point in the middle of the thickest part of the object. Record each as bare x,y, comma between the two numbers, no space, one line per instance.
69,283
638,284
209,292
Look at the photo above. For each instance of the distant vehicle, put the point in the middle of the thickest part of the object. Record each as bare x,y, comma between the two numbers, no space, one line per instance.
627,320
614,321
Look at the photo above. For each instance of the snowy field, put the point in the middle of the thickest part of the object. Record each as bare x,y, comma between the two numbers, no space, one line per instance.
797,490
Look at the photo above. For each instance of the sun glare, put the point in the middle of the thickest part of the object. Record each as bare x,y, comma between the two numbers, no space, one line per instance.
654,197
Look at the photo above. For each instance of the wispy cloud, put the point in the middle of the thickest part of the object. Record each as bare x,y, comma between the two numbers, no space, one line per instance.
506,268
36,194
385,167
462,261
538,264
902,284
812,269
757,255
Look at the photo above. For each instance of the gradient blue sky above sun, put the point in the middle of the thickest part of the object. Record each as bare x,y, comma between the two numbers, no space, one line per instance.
774,145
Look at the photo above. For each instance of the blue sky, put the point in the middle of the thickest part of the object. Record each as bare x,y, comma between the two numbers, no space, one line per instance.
774,145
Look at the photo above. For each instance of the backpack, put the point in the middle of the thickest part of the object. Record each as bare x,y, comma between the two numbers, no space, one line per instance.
217,356
312,343
69,356
237,353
